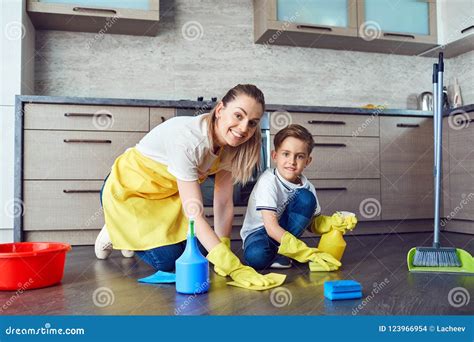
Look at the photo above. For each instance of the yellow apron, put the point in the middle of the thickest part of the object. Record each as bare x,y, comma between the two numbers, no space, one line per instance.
142,207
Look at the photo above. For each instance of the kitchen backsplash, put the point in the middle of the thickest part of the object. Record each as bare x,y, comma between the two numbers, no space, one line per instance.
205,47
462,67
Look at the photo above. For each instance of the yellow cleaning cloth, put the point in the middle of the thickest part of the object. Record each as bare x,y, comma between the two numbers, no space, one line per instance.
279,279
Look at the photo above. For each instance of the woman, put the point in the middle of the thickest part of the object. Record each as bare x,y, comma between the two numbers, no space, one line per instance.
150,185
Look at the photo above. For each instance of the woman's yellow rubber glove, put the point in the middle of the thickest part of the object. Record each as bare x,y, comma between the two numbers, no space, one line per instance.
222,257
225,241
342,221
296,249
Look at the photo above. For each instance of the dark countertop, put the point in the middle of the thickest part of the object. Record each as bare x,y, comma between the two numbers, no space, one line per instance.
207,105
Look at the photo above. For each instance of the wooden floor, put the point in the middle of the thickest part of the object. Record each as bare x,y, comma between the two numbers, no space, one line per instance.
378,262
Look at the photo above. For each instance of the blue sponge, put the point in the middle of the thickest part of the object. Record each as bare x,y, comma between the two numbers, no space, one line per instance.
342,289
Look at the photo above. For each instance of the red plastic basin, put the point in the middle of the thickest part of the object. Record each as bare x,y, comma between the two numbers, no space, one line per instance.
31,265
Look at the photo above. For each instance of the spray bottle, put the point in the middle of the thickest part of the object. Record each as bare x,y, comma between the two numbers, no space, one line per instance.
192,268
332,242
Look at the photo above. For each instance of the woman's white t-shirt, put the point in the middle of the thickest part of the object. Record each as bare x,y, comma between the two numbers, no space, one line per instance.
182,144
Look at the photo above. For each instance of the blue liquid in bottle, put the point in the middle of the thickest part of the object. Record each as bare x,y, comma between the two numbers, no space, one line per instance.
192,268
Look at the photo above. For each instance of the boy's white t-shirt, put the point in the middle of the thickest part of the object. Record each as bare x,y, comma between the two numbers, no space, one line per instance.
182,144
272,192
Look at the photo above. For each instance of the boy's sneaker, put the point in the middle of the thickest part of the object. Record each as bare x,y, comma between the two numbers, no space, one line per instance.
103,246
281,261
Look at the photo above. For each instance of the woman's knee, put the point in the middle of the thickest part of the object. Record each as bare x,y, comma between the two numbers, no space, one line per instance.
162,258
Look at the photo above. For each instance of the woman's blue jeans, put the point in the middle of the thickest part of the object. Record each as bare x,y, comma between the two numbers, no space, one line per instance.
163,258
260,249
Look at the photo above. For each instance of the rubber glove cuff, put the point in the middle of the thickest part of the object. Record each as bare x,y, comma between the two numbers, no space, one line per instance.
294,248
222,257
225,241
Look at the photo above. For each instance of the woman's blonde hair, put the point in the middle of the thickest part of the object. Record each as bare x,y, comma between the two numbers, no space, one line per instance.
242,159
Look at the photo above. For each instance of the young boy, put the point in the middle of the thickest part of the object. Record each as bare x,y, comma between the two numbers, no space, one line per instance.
282,205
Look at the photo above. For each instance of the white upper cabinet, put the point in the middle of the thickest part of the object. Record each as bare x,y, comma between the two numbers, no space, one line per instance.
456,20
455,28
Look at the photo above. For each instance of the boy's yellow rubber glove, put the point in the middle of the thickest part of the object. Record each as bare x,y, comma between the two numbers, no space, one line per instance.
324,224
225,241
296,249
222,257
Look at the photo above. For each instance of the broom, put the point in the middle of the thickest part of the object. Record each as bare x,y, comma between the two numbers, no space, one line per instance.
437,256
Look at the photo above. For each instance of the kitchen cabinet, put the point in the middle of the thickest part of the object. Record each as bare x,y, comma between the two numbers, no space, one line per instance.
68,150
404,20
120,17
455,28
73,154
160,115
461,163
43,116
331,17
359,196
406,167
328,124
339,157
457,20
371,25
298,23
345,166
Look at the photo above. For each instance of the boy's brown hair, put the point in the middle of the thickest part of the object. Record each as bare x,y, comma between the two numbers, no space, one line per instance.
295,131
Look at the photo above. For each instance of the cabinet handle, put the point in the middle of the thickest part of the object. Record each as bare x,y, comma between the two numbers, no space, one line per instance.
314,27
467,29
92,141
329,145
87,115
333,189
401,35
211,215
320,122
81,191
407,125
89,9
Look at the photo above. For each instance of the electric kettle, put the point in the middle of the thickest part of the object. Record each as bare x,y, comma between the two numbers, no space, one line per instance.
425,101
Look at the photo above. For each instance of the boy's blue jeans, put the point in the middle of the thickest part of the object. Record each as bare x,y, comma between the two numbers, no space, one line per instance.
260,249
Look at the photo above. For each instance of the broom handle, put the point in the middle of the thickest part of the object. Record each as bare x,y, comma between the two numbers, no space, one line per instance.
435,108
438,143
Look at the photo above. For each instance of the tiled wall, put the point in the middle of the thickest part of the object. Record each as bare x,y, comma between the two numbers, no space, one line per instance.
170,66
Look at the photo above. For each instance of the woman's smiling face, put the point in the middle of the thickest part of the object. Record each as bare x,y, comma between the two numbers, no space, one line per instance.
237,121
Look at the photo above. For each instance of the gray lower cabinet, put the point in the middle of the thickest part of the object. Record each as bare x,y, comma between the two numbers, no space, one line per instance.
379,167
68,151
406,167
345,160
461,163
